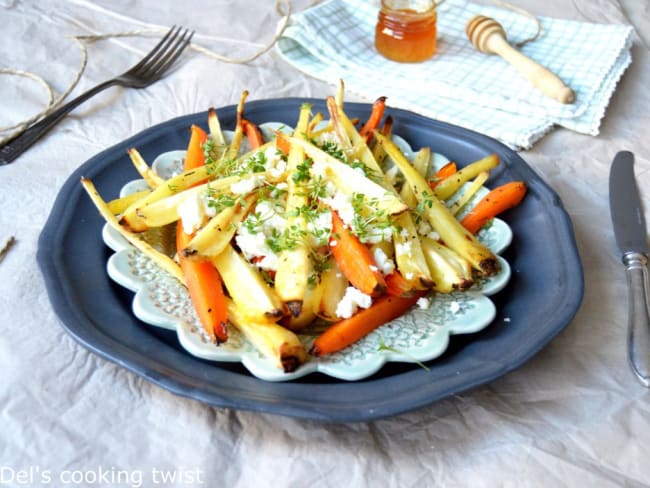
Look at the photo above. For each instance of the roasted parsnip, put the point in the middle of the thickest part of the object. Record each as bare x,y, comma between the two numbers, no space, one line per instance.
294,267
443,222
449,186
162,260
277,343
152,179
253,297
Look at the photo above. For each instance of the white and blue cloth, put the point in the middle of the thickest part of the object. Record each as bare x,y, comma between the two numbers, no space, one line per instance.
459,85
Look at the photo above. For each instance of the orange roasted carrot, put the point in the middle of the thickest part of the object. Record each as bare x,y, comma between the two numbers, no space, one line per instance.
398,286
348,331
253,133
206,291
202,278
373,121
498,200
355,259
195,156
446,171
282,143
387,127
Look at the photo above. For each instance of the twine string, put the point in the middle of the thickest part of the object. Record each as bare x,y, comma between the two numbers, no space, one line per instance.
7,247
525,13
282,8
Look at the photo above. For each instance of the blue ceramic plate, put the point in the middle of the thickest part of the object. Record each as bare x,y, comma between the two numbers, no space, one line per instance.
543,295
417,336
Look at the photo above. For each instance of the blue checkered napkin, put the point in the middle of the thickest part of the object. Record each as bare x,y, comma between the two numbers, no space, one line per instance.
335,40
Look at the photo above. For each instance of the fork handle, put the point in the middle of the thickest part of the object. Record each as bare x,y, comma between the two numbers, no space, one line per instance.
14,147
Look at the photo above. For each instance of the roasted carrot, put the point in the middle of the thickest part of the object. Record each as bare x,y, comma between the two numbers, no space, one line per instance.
253,133
446,171
348,331
355,259
387,128
195,156
373,121
498,200
206,291
398,286
282,143
202,278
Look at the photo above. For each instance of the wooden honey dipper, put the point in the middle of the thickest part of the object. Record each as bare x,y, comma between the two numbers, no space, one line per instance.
488,36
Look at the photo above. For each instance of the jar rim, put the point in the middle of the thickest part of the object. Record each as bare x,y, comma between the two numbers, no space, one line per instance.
410,7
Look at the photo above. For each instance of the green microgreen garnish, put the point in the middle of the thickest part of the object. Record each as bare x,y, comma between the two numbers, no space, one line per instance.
384,347
302,171
254,164
214,161
426,202
220,201
285,240
368,218
321,263
333,149
254,222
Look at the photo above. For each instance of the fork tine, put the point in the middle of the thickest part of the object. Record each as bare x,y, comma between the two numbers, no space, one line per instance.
172,55
158,48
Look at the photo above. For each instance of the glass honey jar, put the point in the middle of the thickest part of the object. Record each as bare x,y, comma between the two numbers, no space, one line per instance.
407,30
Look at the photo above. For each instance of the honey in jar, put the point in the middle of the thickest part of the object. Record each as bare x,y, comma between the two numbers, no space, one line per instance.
406,30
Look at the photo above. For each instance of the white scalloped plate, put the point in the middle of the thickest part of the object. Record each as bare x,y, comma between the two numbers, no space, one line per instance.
418,336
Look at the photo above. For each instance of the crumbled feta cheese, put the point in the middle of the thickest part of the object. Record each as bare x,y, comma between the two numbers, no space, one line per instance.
342,203
269,261
247,185
360,170
375,235
384,263
351,302
404,248
192,212
373,268
254,244
328,136
319,229
433,235
275,165
318,168
270,215
424,227
333,242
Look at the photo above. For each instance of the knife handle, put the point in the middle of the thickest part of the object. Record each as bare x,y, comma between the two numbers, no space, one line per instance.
638,334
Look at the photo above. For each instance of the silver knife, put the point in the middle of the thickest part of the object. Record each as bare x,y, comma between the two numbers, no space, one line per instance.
630,232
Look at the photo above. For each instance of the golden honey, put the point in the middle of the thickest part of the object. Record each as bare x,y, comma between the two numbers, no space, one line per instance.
406,30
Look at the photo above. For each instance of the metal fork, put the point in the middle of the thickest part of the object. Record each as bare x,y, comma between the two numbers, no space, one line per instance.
150,69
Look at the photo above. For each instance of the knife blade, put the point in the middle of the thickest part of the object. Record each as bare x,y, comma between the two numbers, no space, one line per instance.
630,232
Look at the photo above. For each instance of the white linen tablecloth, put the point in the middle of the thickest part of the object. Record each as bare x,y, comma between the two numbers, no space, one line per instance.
573,415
